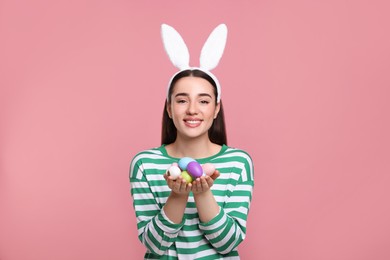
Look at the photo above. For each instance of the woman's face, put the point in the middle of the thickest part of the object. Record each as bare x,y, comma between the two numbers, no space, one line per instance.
192,107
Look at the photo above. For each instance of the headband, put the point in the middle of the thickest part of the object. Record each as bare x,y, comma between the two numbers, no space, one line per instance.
209,57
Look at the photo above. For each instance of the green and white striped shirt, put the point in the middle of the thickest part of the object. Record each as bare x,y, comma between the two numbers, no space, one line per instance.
192,239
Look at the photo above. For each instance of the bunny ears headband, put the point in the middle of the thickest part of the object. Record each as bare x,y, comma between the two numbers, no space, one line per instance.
209,58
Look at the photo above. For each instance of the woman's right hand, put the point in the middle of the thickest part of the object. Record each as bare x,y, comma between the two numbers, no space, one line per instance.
178,186
204,183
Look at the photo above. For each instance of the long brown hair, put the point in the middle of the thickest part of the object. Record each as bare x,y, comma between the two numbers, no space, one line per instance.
217,131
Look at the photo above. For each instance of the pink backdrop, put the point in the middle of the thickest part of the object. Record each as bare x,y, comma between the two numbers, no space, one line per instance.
305,88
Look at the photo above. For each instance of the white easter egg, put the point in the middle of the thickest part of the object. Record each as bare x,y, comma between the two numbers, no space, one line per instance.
174,171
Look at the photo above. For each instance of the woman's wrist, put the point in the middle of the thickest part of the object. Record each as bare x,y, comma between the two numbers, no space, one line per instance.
207,206
175,206
179,196
203,195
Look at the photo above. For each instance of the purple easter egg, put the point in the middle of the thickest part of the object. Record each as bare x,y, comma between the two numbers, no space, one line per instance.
194,169
208,169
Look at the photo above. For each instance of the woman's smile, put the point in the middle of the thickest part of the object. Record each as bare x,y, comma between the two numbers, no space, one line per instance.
192,122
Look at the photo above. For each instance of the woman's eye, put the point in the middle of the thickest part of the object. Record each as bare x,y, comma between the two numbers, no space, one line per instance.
180,101
204,101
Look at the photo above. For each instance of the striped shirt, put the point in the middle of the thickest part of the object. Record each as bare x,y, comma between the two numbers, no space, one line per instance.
192,239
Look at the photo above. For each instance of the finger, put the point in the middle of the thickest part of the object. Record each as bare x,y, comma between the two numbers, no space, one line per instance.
177,184
198,185
171,179
204,182
189,187
210,182
174,184
183,185
168,180
215,175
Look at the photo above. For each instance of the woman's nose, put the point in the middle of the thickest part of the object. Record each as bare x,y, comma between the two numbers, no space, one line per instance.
192,108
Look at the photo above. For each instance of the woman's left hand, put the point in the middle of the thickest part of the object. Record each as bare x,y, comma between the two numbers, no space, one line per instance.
204,183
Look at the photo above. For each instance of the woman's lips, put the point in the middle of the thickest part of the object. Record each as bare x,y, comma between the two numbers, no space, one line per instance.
192,122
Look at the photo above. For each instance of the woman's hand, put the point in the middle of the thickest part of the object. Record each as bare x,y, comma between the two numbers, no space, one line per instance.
178,186
204,183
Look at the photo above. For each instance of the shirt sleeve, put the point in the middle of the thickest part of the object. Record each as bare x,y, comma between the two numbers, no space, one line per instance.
228,229
155,230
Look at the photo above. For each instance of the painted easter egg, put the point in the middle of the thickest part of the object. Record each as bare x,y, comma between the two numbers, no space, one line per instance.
194,169
186,176
208,169
174,171
183,162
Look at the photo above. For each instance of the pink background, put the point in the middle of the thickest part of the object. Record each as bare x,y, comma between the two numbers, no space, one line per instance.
306,93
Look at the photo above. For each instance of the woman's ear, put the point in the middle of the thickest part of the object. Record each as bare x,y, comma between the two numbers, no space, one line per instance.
217,108
169,110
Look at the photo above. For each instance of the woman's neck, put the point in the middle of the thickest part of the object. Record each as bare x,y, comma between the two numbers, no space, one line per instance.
193,148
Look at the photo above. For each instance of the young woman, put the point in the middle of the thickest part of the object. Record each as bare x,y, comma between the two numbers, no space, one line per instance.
206,218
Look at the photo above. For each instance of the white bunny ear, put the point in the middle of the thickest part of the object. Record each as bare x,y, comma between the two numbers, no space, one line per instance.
175,47
213,48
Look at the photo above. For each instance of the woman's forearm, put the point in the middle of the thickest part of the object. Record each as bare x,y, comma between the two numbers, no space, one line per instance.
207,206
175,206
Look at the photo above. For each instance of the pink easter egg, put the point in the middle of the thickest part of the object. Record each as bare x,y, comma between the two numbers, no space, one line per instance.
194,169
208,169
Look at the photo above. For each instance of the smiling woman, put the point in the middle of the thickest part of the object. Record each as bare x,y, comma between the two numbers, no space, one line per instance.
188,80
192,107
181,218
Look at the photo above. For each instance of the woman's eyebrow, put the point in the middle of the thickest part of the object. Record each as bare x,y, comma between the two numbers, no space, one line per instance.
204,95
187,95
182,94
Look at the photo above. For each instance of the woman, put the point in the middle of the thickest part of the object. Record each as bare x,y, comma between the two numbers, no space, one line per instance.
204,219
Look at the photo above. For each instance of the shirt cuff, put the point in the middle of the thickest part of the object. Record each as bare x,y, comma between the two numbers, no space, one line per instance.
214,224
167,225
